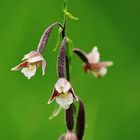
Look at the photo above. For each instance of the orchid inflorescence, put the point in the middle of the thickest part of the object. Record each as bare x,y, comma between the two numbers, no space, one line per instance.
63,91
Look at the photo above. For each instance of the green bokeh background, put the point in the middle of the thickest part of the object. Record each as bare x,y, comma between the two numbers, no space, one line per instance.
112,104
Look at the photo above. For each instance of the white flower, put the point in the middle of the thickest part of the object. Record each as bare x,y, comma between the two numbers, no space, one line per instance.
63,93
31,62
99,69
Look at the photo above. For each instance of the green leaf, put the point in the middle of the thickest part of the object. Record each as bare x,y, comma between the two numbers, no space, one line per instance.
55,112
59,39
69,15
69,50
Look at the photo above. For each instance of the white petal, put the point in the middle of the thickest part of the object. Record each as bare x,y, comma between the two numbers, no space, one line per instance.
94,56
65,100
106,63
30,54
62,85
29,71
103,71
43,67
35,58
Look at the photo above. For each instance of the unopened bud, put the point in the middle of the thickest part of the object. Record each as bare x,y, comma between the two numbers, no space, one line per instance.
70,136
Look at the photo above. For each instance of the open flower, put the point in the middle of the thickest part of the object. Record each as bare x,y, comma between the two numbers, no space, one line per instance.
63,93
31,62
99,69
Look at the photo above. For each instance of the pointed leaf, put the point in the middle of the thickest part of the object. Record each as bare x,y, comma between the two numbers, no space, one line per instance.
69,15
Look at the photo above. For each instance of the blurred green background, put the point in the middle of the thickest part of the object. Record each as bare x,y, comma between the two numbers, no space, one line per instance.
112,104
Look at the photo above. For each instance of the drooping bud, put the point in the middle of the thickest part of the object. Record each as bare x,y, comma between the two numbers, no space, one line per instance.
61,59
80,126
70,118
44,39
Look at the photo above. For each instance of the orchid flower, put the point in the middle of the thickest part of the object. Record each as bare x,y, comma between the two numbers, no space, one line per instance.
99,69
63,93
92,62
31,62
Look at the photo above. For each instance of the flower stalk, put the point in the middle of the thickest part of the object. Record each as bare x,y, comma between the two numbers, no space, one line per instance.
63,92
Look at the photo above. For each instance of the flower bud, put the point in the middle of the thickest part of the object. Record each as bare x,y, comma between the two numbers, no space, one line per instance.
70,136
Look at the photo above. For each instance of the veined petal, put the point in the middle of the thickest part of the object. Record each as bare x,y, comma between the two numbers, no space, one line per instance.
53,96
65,100
94,56
43,67
29,71
36,58
20,66
30,54
71,91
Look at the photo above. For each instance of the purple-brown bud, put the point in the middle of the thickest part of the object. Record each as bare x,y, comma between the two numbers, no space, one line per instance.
44,39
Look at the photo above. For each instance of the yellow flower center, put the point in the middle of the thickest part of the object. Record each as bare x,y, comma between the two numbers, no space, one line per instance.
63,95
31,67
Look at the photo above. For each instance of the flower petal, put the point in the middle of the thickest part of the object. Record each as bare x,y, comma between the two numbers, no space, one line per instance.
94,56
36,58
43,67
29,71
71,91
62,85
30,54
65,100
53,96
106,63
102,72
20,66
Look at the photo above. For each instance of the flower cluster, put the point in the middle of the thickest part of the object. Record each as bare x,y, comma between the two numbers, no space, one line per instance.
63,91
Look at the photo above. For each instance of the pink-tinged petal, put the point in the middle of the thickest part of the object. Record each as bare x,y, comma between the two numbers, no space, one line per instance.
35,58
29,71
30,54
71,91
62,85
106,63
65,100
53,96
43,67
70,136
93,56
20,66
